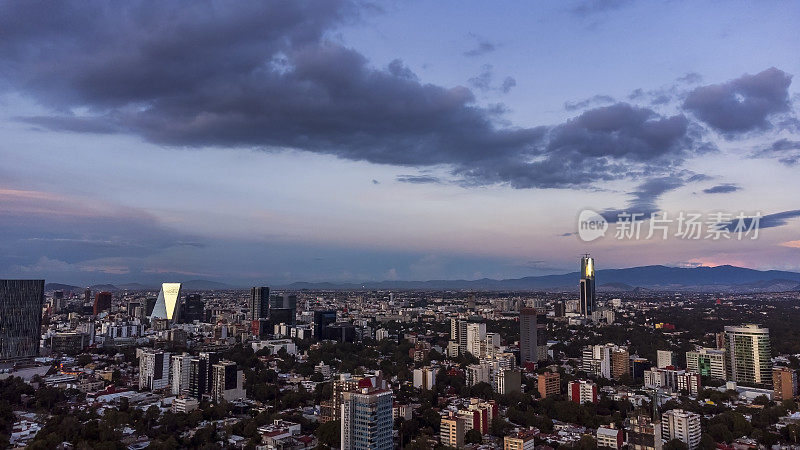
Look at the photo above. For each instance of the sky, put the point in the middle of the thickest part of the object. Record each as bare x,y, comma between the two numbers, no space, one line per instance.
334,140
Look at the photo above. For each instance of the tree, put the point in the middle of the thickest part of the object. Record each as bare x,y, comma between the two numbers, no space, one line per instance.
317,377
761,400
329,433
473,436
707,442
499,427
676,444
586,443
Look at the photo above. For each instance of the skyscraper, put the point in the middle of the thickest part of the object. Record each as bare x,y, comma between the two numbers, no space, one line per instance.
749,353
201,380
20,318
167,305
587,286
102,302
366,418
193,309
321,321
527,336
259,303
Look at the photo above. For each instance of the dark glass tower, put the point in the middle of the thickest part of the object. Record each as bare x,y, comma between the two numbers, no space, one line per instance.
259,303
20,318
321,321
527,336
587,286
194,309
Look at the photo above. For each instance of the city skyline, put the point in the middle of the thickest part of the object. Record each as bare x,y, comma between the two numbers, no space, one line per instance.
339,141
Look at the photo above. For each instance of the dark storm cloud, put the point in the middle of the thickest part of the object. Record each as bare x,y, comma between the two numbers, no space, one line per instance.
418,179
644,199
767,221
263,75
786,151
743,104
726,188
482,46
601,144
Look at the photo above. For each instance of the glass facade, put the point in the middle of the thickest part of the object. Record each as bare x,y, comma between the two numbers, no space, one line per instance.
20,318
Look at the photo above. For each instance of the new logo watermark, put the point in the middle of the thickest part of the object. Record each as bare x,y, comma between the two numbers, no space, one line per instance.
661,225
591,225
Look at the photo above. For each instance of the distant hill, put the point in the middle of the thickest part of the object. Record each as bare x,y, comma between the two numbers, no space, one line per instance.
205,285
633,279
104,287
62,287
719,278
615,287
134,287
191,285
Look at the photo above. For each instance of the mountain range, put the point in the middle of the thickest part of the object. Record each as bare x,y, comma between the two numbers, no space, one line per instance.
657,278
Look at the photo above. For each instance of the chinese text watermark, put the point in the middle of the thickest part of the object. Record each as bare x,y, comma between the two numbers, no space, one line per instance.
662,225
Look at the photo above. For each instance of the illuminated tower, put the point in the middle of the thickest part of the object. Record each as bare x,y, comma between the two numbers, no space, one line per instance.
587,286
167,306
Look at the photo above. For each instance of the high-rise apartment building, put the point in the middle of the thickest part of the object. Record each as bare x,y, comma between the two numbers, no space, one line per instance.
587,301
476,335
596,360
425,378
153,369
331,409
507,381
644,434
228,382
672,380
681,425
709,362
582,391
458,335
181,365
528,342
20,318
366,418
452,430
620,362
784,382
749,354
664,359
548,383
